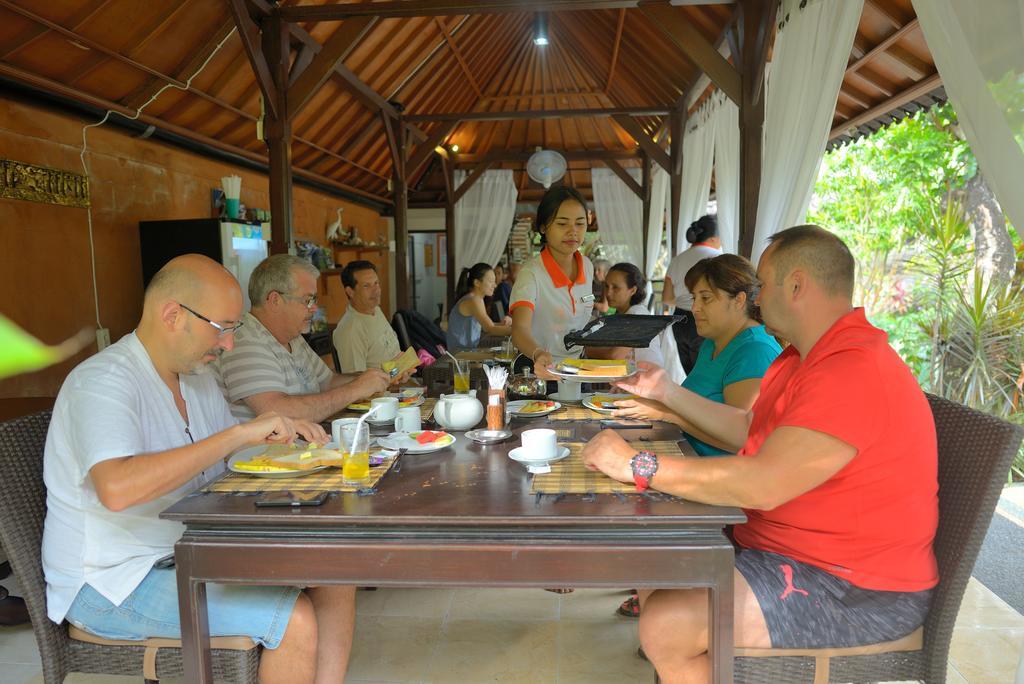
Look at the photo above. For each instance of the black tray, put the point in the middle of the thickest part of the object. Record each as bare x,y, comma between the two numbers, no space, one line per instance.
621,330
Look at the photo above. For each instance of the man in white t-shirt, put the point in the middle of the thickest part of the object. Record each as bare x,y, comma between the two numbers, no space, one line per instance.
272,368
364,338
135,428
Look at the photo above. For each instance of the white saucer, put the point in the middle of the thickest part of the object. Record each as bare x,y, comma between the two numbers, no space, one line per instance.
535,465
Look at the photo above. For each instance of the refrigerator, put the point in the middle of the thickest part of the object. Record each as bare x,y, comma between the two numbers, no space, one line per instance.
240,246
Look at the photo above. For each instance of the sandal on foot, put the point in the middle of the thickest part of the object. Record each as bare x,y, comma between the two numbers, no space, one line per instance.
630,607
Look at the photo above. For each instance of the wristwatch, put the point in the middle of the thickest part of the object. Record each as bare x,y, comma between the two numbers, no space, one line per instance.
644,464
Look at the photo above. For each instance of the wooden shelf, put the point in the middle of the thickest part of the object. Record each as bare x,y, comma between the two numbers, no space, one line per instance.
358,248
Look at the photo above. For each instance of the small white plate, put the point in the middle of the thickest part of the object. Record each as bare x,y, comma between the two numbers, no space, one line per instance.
535,465
589,402
403,402
407,441
516,407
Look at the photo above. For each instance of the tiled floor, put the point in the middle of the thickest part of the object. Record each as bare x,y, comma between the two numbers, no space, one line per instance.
467,636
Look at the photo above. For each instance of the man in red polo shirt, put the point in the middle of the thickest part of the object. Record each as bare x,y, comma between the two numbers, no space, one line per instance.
837,476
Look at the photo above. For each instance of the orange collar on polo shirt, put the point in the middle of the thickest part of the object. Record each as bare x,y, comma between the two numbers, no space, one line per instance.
558,276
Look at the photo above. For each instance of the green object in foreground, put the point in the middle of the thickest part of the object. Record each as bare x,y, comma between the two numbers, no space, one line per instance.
22,353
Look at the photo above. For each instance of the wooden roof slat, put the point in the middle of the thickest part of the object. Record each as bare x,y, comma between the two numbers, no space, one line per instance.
85,13
429,8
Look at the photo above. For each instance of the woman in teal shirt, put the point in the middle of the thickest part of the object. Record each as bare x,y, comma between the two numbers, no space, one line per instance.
735,353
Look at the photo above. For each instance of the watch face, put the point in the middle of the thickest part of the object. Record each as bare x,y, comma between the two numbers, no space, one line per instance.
644,464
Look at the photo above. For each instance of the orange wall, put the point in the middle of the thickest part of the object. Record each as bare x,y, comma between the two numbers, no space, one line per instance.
45,272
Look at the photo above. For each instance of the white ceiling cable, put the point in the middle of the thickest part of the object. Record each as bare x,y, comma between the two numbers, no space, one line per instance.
138,112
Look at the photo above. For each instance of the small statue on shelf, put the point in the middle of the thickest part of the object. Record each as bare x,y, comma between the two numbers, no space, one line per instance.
334,228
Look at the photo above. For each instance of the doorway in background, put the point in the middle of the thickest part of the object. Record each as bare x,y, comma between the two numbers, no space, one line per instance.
428,288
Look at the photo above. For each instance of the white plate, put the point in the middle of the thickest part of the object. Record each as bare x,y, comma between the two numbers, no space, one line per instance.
555,396
407,441
248,453
534,465
630,372
516,407
594,407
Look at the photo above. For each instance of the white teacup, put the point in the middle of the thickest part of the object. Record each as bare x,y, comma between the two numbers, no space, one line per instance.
336,429
569,390
385,408
408,419
540,444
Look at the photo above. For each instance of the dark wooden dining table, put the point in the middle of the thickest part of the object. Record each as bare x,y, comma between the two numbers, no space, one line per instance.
464,516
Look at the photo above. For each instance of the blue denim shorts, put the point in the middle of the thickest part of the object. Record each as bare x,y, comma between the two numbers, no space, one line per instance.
261,613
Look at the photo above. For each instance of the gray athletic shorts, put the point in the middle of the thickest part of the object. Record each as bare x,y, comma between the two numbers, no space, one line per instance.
806,607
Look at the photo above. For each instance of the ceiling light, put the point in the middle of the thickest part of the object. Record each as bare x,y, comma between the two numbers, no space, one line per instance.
454,148
540,29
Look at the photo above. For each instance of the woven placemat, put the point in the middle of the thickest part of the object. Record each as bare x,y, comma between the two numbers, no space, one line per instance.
326,480
576,413
570,476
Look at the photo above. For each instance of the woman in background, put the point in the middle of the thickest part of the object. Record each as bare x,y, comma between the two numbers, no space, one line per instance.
704,244
626,289
468,318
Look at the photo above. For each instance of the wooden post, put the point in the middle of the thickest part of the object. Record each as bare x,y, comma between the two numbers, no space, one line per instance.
677,126
756,22
401,198
278,133
448,171
646,198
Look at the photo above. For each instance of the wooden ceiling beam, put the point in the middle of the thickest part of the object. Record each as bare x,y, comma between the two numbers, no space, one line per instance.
630,182
514,156
636,131
458,56
615,50
541,114
695,46
334,51
249,32
470,181
367,95
49,85
883,46
423,152
898,100
77,21
184,71
431,8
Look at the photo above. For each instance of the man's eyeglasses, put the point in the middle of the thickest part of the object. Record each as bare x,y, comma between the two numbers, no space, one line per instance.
222,330
307,301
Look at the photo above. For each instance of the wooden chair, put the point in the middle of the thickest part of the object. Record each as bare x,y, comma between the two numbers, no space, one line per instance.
22,511
975,452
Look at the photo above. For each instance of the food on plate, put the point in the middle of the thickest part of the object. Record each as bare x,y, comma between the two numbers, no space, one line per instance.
430,436
536,406
402,403
594,367
607,401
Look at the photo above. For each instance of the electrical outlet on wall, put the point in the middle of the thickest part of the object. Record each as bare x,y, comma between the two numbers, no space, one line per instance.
102,338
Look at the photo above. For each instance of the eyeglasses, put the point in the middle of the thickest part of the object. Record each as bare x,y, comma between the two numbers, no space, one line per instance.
307,301
222,330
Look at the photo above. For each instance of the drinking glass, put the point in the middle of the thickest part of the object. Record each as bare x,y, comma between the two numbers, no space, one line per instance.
461,379
356,470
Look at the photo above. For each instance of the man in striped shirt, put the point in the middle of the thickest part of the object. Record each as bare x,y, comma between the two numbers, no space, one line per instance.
271,367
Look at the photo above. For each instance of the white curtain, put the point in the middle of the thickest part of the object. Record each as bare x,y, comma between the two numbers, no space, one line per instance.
727,171
698,157
802,86
484,217
620,216
979,53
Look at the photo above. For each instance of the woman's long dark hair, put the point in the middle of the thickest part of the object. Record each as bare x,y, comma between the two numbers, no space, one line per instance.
634,278
549,204
470,276
704,228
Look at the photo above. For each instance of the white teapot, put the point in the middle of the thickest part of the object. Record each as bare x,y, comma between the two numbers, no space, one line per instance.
458,411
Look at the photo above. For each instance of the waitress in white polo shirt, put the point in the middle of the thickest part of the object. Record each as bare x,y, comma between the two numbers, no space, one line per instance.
554,291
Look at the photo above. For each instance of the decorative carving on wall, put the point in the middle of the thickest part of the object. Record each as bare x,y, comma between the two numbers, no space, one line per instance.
41,184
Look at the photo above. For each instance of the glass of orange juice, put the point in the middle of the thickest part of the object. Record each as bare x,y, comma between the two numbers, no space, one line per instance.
461,378
356,470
